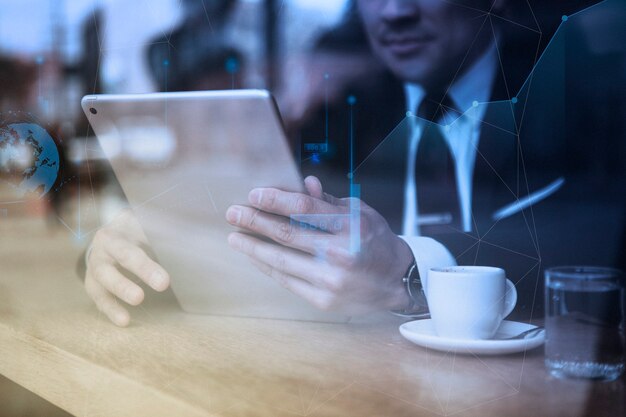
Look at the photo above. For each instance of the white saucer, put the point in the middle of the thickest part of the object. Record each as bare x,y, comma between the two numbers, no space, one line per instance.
422,333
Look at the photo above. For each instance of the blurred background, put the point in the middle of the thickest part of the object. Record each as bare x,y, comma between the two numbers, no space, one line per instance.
311,54
71,48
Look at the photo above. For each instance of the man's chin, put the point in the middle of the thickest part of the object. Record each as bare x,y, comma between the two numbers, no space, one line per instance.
412,72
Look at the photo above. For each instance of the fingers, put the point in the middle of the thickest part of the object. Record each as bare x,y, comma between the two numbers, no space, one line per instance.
117,244
281,259
285,203
280,229
112,280
135,260
305,211
105,302
315,296
318,209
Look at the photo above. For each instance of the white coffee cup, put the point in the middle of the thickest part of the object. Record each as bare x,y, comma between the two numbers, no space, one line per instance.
469,302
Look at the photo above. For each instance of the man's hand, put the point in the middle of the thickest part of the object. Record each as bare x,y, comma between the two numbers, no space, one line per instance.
116,248
317,263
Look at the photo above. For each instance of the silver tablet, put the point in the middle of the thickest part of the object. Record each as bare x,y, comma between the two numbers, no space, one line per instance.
182,159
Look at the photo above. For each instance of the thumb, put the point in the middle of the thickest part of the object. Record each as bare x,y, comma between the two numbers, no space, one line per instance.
314,188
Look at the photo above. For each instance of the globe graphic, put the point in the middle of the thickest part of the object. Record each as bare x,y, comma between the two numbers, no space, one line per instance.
29,159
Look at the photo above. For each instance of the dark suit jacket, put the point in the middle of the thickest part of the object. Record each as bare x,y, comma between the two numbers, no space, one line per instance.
565,134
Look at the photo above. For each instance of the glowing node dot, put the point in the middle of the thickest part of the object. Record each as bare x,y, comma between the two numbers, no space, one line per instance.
351,100
326,76
409,114
166,63
564,18
350,175
475,103
231,65
514,100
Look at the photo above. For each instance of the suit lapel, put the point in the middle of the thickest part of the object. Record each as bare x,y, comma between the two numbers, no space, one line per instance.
495,177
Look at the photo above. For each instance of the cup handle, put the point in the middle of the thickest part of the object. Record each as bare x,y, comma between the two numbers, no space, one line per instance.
510,299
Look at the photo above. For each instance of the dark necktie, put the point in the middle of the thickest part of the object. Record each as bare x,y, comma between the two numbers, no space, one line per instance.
437,198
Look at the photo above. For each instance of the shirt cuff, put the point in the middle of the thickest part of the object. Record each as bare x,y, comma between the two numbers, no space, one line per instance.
428,253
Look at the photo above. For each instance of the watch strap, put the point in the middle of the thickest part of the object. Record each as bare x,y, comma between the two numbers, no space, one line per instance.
418,306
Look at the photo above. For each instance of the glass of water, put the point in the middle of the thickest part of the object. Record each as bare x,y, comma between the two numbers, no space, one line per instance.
585,322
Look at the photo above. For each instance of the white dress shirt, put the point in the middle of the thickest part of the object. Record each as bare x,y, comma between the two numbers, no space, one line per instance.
470,93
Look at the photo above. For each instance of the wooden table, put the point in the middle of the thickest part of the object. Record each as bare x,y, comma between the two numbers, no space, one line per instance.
168,363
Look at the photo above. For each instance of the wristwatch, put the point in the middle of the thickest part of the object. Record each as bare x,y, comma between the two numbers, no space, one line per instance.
418,306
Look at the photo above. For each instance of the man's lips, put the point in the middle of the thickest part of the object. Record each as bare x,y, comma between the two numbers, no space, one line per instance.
406,45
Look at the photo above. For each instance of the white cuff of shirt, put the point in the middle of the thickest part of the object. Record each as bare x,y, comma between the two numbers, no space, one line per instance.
428,253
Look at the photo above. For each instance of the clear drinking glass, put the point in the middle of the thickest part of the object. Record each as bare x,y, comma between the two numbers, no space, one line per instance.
584,322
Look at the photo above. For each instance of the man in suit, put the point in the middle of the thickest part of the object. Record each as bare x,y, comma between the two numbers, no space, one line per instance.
489,163
461,180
